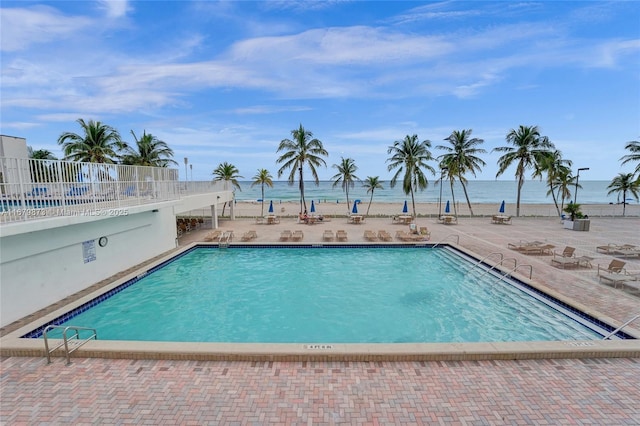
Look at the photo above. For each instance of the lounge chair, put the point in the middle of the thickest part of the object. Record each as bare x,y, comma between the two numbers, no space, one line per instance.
249,235
425,232
327,235
615,273
524,245
567,252
285,235
297,235
403,236
545,249
612,248
369,235
384,235
341,235
212,236
628,251
566,262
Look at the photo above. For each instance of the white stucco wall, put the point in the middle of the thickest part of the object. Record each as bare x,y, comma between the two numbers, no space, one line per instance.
41,267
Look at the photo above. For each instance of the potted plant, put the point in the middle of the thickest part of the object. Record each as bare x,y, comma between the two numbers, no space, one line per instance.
577,221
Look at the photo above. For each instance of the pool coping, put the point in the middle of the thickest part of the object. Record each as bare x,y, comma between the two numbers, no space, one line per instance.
13,344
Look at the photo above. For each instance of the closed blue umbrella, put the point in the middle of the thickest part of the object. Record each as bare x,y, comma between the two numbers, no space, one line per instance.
446,208
271,206
405,209
354,210
501,207
313,207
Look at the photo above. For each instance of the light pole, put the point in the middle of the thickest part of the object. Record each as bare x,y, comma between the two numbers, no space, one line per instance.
575,194
444,169
191,168
186,176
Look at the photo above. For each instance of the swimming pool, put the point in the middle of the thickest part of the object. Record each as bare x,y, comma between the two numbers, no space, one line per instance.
332,294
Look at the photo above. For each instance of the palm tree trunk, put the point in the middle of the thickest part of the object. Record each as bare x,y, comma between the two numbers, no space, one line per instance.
555,200
464,189
413,202
370,200
262,207
346,191
304,202
453,198
520,183
223,207
624,202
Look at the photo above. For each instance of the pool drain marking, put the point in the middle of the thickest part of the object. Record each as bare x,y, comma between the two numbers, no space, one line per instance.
313,347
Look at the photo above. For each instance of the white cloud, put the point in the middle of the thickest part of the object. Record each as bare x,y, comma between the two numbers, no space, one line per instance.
23,27
114,8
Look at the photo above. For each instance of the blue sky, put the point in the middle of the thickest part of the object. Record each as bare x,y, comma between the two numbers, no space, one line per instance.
226,81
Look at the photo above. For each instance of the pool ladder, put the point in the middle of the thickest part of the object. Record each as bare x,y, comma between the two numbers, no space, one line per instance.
614,332
225,239
70,341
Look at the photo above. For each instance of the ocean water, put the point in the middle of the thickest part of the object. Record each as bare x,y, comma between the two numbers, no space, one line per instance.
480,191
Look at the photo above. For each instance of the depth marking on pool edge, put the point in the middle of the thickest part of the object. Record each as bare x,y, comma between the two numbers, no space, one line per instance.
580,343
318,346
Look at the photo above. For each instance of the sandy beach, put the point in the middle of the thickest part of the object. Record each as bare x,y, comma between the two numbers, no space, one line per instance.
251,209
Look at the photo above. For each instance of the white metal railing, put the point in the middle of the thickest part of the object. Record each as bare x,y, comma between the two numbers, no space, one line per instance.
35,189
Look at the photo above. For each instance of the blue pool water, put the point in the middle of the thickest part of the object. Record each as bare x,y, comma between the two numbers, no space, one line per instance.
326,295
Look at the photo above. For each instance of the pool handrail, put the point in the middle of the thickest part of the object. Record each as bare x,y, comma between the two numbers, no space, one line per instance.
65,339
614,332
515,265
443,240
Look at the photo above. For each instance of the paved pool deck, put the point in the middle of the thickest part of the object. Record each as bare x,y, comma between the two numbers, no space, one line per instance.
479,392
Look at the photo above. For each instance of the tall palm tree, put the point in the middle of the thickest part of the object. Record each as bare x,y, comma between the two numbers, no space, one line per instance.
346,175
624,183
40,154
634,148
227,173
148,151
99,143
303,150
262,178
553,165
527,150
563,182
461,158
371,183
410,156
41,171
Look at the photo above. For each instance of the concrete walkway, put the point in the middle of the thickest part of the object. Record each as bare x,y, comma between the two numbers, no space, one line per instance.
559,391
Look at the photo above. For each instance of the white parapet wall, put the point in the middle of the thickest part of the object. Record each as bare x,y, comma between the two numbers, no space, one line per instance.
44,266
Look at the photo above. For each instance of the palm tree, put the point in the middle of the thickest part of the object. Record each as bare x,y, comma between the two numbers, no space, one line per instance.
148,151
302,150
554,165
410,156
41,171
563,182
528,149
262,178
461,159
99,143
40,154
227,173
372,183
346,175
624,183
634,148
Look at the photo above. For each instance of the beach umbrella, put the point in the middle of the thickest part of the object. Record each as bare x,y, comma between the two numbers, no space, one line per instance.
271,206
354,210
446,208
405,209
313,207
501,207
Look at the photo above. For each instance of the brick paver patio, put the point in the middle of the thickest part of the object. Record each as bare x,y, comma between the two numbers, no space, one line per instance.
524,392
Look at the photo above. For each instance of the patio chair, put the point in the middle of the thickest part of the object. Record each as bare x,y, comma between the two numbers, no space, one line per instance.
523,245
297,235
540,250
327,235
425,232
615,273
612,248
341,235
567,252
212,236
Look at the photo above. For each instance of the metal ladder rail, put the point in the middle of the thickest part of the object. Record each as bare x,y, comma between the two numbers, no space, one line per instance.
614,332
489,255
508,274
504,259
75,344
443,240
225,238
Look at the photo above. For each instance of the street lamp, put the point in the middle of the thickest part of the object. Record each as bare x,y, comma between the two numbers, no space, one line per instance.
575,194
444,169
191,168
186,176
